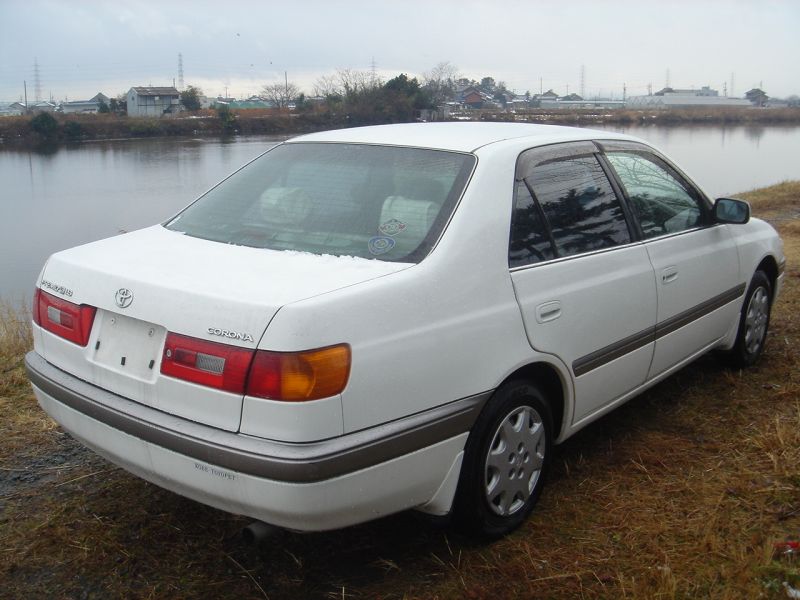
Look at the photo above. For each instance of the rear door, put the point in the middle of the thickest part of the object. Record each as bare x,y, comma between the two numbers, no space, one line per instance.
586,289
695,261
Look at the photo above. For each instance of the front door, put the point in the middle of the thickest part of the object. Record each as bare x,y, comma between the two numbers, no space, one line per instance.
696,263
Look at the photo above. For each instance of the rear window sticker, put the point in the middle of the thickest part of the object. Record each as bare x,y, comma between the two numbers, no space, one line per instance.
392,227
380,245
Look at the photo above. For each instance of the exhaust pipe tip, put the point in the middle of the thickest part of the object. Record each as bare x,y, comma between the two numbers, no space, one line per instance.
258,532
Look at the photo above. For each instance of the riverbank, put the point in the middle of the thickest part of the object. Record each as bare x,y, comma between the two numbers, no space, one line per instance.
21,131
685,492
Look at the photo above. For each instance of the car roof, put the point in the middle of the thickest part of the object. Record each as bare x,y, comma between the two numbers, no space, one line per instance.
458,136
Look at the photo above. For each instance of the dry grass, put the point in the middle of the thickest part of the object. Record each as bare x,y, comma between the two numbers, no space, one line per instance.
682,493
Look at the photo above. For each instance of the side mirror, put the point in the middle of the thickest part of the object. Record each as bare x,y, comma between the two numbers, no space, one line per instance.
730,210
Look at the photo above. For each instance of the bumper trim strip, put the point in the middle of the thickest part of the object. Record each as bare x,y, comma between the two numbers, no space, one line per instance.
281,461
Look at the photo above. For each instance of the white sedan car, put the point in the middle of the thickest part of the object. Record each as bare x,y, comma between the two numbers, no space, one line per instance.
364,321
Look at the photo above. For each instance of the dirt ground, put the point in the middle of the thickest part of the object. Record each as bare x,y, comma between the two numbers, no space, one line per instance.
686,492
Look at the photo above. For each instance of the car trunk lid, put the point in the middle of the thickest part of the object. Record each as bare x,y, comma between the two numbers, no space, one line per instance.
154,281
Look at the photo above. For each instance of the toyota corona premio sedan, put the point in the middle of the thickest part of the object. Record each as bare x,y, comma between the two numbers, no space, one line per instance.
364,321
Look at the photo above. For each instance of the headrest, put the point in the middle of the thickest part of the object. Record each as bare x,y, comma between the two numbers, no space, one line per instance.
284,205
407,222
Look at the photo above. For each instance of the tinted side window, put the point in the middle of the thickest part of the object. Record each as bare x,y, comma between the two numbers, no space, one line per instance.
661,201
530,241
580,207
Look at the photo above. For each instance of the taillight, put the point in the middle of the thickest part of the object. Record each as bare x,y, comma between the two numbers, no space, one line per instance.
73,322
211,364
299,376
288,376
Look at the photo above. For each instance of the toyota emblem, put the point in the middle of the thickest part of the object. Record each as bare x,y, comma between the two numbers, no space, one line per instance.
124,297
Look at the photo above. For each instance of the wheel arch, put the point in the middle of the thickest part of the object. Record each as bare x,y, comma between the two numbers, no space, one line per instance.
552,382
769,265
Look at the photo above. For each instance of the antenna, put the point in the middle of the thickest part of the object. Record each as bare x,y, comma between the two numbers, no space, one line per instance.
37,81
180,71
583,81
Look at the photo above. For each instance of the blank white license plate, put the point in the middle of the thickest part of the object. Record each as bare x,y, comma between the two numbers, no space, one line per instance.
129,346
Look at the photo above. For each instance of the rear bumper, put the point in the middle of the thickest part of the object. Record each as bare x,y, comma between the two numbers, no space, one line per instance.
310,486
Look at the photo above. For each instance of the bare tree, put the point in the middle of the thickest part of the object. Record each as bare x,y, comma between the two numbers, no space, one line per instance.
440,82
327,85
280,94
346,82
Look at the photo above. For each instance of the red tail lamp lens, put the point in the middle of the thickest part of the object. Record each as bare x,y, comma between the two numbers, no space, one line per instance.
299,376
219,366
73,322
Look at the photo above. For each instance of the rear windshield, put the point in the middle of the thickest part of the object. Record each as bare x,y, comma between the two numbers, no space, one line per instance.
342,199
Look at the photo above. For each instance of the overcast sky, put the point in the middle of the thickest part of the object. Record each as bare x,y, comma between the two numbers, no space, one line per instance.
86,46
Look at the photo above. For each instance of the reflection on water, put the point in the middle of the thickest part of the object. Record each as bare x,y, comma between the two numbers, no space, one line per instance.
54,200
726,159
51,199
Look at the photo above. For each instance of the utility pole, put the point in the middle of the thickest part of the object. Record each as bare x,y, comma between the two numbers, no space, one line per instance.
624,92
180,71
725,88
286,84
649,89
25,85
541,89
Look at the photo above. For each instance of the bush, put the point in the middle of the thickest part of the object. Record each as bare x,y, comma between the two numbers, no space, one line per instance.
73,130
44,125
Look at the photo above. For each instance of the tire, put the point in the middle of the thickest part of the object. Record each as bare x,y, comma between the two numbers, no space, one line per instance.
506,461
753,323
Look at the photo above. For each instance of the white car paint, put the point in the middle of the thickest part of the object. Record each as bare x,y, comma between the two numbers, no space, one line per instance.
423,336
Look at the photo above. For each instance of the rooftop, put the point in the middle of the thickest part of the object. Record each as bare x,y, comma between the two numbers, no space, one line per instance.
156,91
461,137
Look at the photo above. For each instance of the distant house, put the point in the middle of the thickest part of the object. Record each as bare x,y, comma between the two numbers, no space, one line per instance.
42,107
14,109
473,97
704,91
153,101
85,106
672,100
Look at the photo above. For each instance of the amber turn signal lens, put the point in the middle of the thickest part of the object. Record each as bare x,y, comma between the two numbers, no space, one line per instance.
299,376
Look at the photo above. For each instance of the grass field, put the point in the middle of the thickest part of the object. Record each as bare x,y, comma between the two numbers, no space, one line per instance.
682,493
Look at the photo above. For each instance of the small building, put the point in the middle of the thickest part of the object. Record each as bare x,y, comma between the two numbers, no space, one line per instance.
43,107
14,109
671,100
85,106
153,101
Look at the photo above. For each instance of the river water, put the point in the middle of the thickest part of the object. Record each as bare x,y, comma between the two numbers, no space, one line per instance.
83,193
